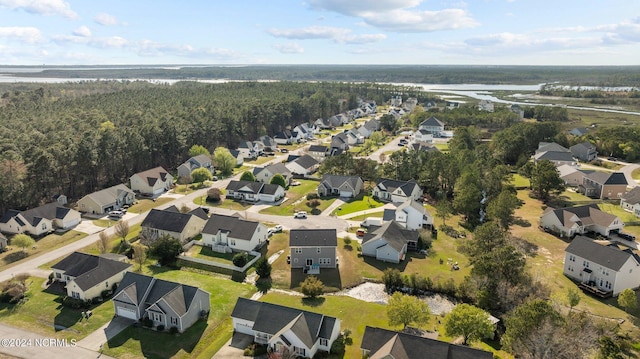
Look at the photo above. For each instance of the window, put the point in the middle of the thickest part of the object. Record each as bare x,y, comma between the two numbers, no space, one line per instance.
297,250
318,250
58,275
106,284
309,261
324,261
75,295
232,242
299,351
156,317
324,342
44,226
174,321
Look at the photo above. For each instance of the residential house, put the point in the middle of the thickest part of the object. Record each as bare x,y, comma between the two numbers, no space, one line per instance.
312,249
423,136
604,185
384,343
369,107
151,182
238,156
603,269
555,153
166,304
3,243
485,105
567,222
429,105
397,113
193,163
390,242
396,191
254,191
284,137
318,152
86,276
265,174
108,199
395,101
630,201
61,199
227,234
411,214
323,124
248,150
571,176
171,222
584,151
339,142
304,165
517,110
450,105
304,130
284,329
579,131
410,104
433,125
421,146
266,143
40,220
369,127
343,186
354,135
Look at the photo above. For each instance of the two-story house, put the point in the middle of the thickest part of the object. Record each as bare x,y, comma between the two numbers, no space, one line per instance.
225,234
248,150
630,201
433,125
318,152
584,151
411,214
193,163
151,182
312,249
171,222
265,174
604,185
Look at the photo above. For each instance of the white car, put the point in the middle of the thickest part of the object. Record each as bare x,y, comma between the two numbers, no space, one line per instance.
277,228
116,214
301,214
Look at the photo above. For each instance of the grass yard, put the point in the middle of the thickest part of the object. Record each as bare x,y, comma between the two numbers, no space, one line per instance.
189,188
202,340
224,203
296,200
207,253
443,147
260,160
14,255
360,203
519,181
636,174
143,205
362,217
43,313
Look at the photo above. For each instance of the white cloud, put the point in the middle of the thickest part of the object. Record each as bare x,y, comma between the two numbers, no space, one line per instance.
290,48
312,32
41,7
400,15
29,35
106,19
113,42
362,39
82,31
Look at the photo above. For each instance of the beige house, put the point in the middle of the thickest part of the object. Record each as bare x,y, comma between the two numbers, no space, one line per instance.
108,199
86,276
172,223
567,222
40,220
151,182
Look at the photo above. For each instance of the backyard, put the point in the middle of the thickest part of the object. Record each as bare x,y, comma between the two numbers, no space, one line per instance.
205,252
45,244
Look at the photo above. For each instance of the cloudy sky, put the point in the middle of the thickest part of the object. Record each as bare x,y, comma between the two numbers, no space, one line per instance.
483,32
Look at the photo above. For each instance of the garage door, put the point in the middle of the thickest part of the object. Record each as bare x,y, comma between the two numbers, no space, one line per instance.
72,223
158,191
126,313
346,194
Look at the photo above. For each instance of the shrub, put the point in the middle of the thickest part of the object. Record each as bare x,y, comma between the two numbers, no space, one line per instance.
240,259
312,286
147,322
74,303
160,328
392,280
214,194
263,268
13,291
312,195
106,293
347,240
173,330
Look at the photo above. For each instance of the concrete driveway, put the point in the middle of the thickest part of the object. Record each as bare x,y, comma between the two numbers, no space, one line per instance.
234,348
96,339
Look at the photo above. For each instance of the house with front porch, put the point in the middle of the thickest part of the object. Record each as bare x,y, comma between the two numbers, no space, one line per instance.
601,268
338,185
390,190
171,222
390,242
86,276
567,222
313,249
284,329
227,234
151,182
108,199
166,304
254,191
630,201
40,220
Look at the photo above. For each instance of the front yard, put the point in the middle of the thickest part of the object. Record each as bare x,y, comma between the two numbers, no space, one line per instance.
358,204
47,243
297,201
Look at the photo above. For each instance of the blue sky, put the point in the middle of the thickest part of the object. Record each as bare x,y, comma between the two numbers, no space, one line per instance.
482,32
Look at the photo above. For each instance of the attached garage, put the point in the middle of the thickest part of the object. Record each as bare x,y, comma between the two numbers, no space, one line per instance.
347,194
243,326
126,313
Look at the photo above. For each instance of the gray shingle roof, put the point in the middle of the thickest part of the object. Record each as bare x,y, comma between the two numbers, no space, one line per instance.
336,181
554,156
306,161
393,233
431,122
607,256
588,214
109,195
252,187
89,270
153,175
237,227
383,343
313,238
390,185
633,196
166,220
317,148
551,146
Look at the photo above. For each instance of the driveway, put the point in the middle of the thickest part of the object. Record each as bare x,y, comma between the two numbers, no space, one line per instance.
627,170
234,348
96,339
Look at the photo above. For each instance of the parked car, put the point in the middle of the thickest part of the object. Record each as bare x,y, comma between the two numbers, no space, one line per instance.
300,215
629,237
284,150
360,232
277,228
116,214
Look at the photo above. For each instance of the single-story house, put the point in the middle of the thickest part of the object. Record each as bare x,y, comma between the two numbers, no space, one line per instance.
604,185
238,156
390,242
265,174
630,201
86,276
152,182
486,105
343,186
169,304
568,222
312,249
604,269
304,165
230,233
254,191
193,163
40,220
267,143
384,343
108,199
285,329
173,223
433,125
584,151
390,190
411,214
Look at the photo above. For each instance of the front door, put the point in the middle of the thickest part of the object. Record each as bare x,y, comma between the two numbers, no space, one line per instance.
309,261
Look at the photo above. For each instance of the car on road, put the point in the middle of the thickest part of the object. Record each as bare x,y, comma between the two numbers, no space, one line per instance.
300,215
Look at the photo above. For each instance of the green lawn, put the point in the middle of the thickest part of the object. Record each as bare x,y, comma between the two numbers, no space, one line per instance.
15,255
259,161
186,189
144,205
296,200
43,313
443,147
636,174
202,340
224,203
519,181
362,217
204,252
358,204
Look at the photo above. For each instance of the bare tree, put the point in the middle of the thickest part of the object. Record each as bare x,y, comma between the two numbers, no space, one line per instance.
184,208
122,229
139,255
103,242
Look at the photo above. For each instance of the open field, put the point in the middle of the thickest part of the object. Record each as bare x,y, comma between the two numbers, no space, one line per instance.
45,244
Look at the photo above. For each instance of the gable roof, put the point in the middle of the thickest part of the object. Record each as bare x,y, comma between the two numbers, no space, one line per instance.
554,156
317,148
33,216
109,195
336,181
390,185
275,319
606,178
411,203
166,220
313,238
431,122
393,233
551,146
583,146
201,159
153,175
235,227
587,214
89,270
607,256
579,131
633,196
372,125
383,343
135,286
278,168
237,186
306,161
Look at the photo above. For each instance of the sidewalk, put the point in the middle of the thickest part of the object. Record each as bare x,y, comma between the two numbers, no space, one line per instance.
368,211
97,339
337,203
